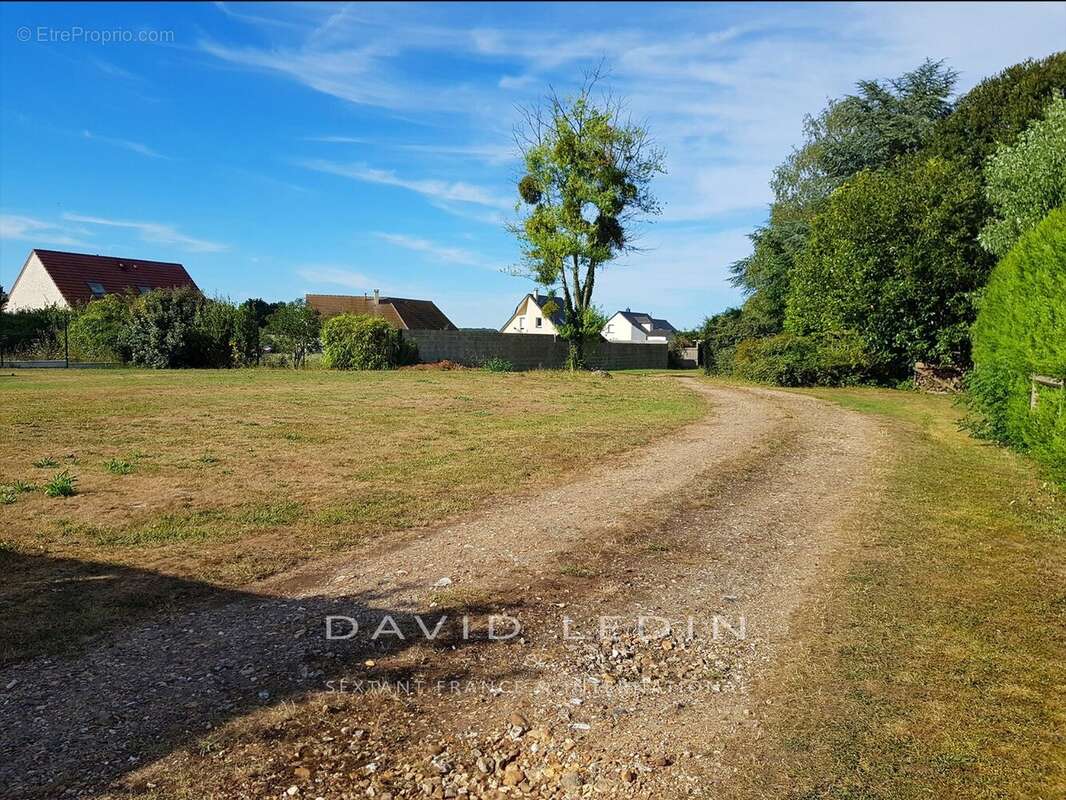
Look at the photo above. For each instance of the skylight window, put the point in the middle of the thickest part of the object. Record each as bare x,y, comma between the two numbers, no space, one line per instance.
144,289
96,288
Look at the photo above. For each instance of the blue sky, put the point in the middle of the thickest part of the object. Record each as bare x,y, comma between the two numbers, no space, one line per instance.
280,149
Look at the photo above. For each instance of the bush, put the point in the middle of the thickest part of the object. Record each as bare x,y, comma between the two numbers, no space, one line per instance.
497,364
790,360
162,333
101,332
1021,330
353,341
36,333
784,360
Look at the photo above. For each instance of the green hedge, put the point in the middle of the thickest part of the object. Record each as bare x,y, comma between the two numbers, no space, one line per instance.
1021,330
790,360
353,341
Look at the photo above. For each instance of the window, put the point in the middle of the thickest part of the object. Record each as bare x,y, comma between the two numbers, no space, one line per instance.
96,288
144,289
521,323
539,322
610,327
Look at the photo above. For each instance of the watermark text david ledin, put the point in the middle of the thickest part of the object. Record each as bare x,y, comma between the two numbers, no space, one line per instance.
503,627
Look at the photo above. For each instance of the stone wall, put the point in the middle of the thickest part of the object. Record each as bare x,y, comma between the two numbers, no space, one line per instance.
530,351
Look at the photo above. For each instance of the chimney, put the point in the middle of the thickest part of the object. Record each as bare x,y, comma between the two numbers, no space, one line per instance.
377,296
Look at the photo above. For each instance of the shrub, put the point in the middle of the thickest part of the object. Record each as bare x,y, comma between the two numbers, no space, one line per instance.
100,332
497,364
214,339
784,360
293,328
162,334
353,341
790,360
62,484
1021,330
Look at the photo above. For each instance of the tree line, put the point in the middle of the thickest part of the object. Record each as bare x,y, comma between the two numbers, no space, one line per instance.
180,328
886,224
164,329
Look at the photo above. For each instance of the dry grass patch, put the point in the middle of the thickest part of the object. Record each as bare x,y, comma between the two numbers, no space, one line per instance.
934,668
218,478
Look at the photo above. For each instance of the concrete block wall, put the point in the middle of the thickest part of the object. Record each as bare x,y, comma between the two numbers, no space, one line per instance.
530,351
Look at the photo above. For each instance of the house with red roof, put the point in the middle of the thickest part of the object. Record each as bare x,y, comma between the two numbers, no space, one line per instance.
65,280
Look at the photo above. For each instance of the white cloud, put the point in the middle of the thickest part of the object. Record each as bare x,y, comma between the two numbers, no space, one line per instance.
337,276
437,251
157,232
136,147
458,191
19,228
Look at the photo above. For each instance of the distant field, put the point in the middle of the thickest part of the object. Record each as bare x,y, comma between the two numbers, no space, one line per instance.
194,480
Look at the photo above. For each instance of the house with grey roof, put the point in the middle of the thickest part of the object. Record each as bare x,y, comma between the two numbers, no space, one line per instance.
636,326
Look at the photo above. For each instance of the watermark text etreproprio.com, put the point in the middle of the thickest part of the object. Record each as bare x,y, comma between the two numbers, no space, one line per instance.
76,34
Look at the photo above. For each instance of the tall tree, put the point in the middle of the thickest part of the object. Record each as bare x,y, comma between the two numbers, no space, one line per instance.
892,260
998,109
1026,180
871,129
587,183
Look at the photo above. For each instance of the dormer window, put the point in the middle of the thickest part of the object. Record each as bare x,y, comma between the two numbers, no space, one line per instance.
96,288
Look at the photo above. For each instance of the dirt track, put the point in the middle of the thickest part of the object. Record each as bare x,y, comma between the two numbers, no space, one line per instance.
732,517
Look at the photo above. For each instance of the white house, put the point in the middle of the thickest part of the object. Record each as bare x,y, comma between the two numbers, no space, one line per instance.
635,326
530,316
56,278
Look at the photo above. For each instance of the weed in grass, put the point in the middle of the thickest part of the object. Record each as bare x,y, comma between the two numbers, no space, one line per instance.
45,463
62,484
208,459
118,466
575,571
9,492
498,364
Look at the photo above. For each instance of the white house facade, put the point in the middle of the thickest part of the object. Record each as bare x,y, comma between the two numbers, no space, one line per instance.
636,326
530,316
34,288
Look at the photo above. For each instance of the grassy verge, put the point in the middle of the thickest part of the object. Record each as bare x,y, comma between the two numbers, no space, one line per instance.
935,669
188,482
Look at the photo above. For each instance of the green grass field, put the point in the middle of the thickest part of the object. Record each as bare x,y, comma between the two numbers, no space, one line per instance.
217,478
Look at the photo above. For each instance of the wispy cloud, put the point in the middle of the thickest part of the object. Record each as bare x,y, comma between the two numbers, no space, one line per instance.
436,250
19,228
126,144
157,232
492,154
456,191
337,276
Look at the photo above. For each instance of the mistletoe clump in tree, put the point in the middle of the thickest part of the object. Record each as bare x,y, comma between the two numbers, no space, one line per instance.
587,183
